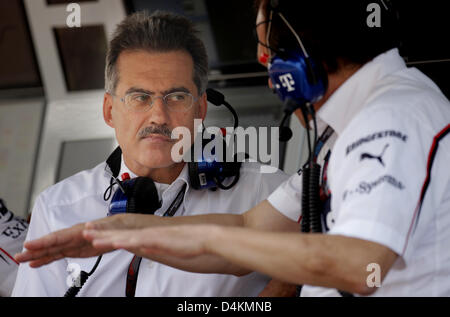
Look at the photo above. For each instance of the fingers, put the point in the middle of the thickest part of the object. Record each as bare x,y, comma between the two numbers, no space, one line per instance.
108,223
116,239
45,260
82,241
30,255
56,239
52,246
41,243
26,256
130,240
65,243
101,224
122,239
39,258
150,240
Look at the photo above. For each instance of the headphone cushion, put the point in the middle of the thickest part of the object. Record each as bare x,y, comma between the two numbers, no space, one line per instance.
292,78
193,175
143,197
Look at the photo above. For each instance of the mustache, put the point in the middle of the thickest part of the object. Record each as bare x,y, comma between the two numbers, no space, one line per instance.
162,130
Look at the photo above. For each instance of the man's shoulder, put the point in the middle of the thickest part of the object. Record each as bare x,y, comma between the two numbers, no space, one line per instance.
83,184
410,94
407,102
261,177
262,171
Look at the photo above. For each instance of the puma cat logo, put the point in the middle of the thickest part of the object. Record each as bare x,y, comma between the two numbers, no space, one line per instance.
379,158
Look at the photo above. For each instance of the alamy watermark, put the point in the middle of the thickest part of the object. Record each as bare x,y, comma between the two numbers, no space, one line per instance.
374,278
74,18
374,18
212,144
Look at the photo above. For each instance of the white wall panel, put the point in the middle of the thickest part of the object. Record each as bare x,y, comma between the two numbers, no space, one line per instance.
20,122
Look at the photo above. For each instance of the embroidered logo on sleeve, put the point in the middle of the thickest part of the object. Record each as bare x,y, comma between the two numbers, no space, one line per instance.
378,158
365,188
375,136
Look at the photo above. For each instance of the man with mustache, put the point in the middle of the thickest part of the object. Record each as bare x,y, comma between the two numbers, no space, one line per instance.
156,77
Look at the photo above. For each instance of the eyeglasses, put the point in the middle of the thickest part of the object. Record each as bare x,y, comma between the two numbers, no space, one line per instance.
141,102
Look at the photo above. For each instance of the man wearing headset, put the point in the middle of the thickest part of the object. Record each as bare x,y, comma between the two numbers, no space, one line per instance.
156,76
385,184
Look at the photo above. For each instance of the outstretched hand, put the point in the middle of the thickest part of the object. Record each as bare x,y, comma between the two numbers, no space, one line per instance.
70,242
183,241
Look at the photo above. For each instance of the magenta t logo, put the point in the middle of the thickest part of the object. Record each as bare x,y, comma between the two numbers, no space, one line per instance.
287,82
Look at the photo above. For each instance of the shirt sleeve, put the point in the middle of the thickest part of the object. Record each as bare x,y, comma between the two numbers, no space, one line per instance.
287,197
47,280
380,168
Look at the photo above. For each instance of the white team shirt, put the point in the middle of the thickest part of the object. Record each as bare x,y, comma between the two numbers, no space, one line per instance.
12,235
80,199
388,119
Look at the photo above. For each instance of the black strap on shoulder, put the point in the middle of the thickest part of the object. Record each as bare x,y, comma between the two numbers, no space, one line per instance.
114,161
176,203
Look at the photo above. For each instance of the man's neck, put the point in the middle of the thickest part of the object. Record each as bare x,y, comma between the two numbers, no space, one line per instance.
163,175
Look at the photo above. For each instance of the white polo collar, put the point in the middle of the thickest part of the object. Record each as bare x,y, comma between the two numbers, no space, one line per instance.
352,95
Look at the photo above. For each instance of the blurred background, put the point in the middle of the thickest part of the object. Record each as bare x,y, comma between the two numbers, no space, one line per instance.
52,79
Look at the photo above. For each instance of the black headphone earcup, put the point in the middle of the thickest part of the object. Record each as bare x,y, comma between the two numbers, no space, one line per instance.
143,197
211,175
285,134
231,169
194,178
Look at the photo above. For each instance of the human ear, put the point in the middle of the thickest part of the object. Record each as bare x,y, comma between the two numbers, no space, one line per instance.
107,109
203,103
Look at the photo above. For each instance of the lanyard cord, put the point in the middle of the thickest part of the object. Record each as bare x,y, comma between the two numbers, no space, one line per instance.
321,141
176,203
324,137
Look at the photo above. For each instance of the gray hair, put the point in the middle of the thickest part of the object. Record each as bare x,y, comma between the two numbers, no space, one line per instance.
158,32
